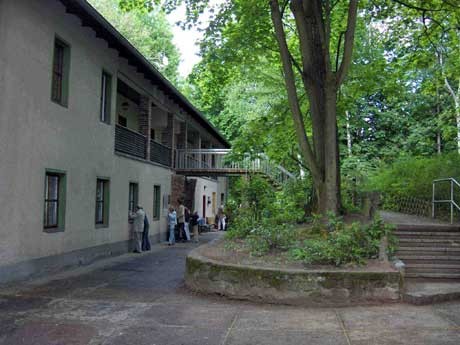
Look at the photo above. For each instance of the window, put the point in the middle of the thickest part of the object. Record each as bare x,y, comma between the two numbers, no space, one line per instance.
156,202
222,198
152,133
60,77
102,202
54,201
122,121
106,97
133,196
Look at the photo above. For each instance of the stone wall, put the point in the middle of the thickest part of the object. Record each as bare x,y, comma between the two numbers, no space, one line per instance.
296,287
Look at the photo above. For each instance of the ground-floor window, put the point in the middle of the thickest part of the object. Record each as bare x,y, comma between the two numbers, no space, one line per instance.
54,201
133,195
102,202
156,202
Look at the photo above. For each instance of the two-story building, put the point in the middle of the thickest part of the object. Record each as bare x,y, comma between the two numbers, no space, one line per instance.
88,129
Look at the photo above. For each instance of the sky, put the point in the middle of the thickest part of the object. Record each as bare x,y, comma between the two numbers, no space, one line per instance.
185,41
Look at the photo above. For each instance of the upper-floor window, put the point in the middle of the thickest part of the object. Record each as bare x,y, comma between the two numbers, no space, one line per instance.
54,201
60,77
106,96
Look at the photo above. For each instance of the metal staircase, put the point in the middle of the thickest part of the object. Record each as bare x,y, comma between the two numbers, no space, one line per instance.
218,162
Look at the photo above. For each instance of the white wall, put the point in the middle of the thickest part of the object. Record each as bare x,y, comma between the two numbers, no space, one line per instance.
37,134
212,186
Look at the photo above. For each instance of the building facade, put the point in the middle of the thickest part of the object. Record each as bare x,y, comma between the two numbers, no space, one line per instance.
88,129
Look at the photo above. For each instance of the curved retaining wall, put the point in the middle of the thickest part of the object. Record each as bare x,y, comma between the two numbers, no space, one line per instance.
305,287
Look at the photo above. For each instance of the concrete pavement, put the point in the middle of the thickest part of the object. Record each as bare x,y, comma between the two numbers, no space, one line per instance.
140,299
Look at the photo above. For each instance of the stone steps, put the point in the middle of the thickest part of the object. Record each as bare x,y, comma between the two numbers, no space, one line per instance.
427,234
430,251
432,275
427,242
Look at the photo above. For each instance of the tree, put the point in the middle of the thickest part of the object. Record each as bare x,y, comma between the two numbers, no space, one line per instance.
315,40
149,32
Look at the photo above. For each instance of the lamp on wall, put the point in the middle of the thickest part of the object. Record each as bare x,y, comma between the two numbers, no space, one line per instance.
209,200
204,188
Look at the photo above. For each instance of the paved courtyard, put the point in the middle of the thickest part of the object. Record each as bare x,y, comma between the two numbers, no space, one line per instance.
140,299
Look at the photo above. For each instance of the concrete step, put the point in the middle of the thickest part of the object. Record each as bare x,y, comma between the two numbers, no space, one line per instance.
427,234
455,276
428,241
453,250
411,261
443,269
432,257
428,291
429,265
428,227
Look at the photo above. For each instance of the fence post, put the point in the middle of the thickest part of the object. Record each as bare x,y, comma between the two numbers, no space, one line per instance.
451,202
432,202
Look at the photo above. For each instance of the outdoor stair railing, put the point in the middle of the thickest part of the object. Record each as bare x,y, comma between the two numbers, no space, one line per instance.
216,161
453,184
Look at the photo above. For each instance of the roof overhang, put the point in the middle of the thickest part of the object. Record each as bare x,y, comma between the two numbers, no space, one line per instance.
90,17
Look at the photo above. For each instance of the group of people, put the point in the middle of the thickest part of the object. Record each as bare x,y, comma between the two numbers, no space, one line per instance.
182,219
140,230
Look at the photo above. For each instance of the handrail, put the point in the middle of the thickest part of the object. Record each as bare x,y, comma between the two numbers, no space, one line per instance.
451,201
214,160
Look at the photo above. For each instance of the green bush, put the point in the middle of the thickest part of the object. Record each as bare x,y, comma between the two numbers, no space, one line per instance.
413,176
266,237
345,244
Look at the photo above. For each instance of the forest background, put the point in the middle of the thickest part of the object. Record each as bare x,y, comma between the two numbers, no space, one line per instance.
398,110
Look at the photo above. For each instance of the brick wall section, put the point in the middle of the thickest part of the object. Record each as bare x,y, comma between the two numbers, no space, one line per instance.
177,189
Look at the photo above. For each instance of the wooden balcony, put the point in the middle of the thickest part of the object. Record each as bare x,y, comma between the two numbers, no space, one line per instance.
134,144
130,142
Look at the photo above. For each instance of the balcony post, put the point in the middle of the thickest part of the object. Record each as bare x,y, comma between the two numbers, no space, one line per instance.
145,120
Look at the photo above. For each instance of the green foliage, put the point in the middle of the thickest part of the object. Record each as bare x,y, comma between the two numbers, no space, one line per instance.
345,244
413,176
146,27
267,236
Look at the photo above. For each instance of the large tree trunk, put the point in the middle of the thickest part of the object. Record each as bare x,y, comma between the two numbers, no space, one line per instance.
321,85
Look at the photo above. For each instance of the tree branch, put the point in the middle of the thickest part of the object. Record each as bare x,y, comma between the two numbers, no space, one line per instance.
349,40
305,146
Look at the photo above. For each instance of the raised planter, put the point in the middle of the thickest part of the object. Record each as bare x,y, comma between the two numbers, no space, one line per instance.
290,286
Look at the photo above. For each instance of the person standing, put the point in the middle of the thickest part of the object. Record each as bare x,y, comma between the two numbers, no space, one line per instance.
221,218
187,223
138,227
181,220
194,224
145,235
172,221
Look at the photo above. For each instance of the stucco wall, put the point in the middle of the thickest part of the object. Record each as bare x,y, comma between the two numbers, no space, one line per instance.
37,134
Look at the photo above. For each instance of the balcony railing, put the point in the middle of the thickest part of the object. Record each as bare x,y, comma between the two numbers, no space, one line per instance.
130,142
216,161
160,153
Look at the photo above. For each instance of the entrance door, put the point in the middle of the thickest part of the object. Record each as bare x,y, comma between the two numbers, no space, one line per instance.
204,207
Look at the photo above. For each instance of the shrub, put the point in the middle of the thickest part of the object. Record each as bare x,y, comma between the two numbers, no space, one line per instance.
345,244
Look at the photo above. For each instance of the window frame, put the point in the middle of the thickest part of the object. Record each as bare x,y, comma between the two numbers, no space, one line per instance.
106,97
156,214
135,194
105,201
60,76
59,226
